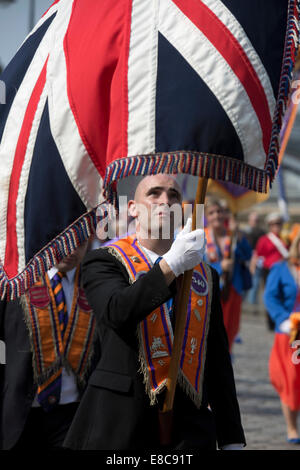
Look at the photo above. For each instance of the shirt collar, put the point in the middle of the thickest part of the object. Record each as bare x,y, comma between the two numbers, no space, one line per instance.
70,275
153,256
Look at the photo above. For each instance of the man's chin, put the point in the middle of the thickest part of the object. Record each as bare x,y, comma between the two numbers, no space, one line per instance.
66,266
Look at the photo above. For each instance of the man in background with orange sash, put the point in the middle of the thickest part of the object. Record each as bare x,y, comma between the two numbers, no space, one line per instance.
131,286
51,343
227,251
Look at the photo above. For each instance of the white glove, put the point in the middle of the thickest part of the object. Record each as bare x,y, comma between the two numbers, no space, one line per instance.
187,249
285,326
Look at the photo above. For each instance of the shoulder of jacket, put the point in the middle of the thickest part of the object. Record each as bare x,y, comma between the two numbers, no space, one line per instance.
100,254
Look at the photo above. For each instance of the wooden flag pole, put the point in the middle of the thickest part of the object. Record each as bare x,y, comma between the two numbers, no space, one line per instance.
181,311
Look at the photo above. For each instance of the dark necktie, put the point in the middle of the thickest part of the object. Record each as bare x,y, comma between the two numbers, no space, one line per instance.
56,284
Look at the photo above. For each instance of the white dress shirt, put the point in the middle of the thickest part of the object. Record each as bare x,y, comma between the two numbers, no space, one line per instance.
151,255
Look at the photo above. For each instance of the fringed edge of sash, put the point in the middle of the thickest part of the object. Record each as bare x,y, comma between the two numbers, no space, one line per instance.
63,245
38,378
143,370
183,382
81,377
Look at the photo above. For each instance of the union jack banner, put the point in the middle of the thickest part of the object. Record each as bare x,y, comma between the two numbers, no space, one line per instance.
101,90
240,198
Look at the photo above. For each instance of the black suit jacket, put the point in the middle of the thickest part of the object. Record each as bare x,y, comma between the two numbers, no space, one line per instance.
16,381
17,388
114,412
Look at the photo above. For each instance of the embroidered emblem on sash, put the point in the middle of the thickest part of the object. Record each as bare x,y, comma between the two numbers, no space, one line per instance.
39,296
156,348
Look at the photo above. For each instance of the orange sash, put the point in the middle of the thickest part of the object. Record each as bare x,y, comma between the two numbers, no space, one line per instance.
50,351
211,247
155,332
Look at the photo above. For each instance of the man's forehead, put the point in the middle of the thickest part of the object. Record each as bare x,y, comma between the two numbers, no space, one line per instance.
160,180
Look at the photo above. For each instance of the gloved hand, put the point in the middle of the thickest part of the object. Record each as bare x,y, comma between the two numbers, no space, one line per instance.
187,249
285,326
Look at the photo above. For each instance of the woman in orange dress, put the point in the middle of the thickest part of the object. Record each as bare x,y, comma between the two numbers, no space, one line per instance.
282,300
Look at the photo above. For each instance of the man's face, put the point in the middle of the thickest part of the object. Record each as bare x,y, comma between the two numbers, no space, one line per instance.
73,260
156,200
275,226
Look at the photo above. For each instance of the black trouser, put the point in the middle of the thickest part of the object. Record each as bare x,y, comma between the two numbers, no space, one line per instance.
44,430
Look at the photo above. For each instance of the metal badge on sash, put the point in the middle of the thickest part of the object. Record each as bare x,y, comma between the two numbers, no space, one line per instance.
199,284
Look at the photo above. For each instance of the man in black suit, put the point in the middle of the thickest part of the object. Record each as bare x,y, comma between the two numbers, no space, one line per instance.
129,285
41,383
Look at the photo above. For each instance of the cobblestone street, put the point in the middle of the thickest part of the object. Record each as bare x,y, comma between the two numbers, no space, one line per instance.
259,403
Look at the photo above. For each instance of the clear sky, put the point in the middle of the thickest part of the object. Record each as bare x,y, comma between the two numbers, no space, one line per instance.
14,25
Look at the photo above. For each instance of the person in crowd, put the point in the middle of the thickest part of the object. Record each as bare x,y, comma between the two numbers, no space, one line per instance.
132,286
228,251
282,300
270,248
51,344
253,231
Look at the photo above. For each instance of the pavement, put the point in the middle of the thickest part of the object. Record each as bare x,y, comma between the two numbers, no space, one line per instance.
260,407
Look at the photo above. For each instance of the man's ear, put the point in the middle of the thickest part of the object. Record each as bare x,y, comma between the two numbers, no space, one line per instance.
132,208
